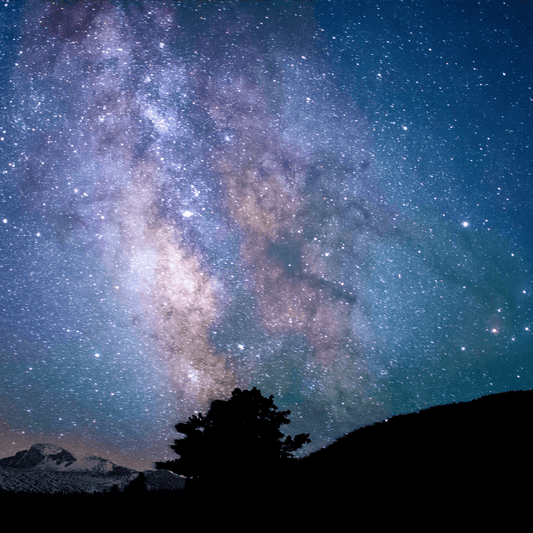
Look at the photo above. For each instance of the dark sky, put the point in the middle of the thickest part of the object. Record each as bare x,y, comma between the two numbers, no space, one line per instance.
329,201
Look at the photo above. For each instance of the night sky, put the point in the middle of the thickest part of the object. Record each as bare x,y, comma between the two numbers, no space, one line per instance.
329,201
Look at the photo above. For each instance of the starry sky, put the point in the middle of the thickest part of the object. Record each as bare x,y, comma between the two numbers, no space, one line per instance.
329,201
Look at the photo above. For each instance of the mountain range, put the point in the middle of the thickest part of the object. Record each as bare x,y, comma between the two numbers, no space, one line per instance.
50,468
477,446
465,464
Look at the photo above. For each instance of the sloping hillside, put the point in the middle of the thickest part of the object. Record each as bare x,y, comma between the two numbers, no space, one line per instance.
449,453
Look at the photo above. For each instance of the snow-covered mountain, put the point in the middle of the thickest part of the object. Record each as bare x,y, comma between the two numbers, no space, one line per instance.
51,457
47,467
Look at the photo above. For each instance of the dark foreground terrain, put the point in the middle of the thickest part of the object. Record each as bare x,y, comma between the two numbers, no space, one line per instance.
463,464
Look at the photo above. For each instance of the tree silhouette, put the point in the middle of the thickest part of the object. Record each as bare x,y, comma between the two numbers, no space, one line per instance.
137,485
237,439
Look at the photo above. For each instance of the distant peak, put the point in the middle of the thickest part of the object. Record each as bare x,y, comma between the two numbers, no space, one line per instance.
40,455
48,449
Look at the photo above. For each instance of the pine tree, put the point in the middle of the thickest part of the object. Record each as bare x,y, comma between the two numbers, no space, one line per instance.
237,438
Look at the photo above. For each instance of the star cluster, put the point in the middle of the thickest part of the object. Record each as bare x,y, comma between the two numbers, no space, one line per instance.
197,197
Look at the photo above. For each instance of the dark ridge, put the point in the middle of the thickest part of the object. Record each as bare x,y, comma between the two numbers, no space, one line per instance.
456,454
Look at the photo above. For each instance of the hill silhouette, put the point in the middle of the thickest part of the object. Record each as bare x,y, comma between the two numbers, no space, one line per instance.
456,454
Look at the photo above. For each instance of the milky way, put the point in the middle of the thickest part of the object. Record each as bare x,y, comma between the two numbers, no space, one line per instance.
193,201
